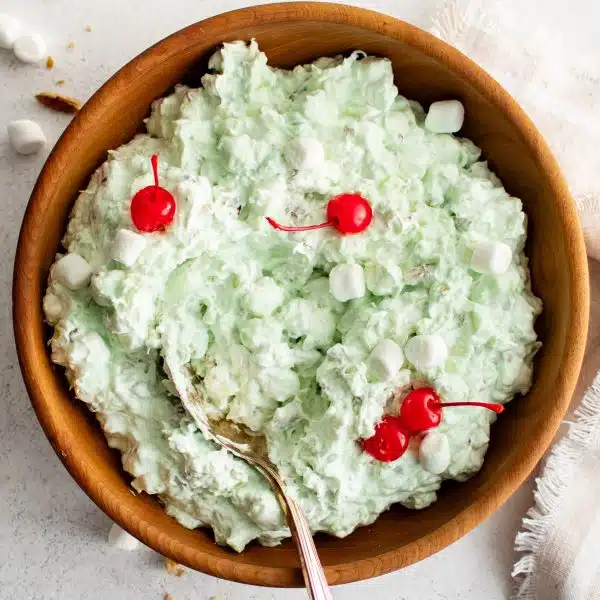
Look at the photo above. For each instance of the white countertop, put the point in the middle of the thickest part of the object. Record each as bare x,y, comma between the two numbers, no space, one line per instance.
52,538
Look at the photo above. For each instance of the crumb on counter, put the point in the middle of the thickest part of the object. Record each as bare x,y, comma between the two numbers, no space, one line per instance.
167,596
60,82
173,568
88,28
71,45
58,103
50,63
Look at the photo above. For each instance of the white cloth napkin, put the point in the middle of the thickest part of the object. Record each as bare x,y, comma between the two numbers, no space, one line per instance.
560,90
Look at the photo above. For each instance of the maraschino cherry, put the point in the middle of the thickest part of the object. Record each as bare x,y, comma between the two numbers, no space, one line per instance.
153,207
422,409
390,440
348,213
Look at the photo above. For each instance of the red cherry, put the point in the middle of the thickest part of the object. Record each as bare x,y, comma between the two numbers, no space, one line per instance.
390,440
153,207
348,213
422,409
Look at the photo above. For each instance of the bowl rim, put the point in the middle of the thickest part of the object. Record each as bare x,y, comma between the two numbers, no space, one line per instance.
534,448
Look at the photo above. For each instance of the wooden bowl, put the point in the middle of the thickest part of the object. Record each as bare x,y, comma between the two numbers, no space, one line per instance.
426,69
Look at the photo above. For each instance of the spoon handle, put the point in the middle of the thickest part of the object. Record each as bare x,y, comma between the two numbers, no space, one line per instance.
314,576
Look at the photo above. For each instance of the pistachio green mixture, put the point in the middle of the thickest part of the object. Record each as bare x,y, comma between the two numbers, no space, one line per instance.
248,309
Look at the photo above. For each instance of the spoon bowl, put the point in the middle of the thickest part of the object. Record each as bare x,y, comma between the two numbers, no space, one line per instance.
253,449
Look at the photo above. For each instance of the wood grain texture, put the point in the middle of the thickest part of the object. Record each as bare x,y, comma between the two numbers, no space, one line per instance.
426,69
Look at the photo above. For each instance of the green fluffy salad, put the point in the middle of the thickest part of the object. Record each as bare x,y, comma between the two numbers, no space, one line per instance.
249,310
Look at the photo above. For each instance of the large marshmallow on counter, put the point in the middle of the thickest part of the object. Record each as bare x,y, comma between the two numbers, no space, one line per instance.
446,116
127,246
10,28
426,351
30,48
491,257
26,136
385,360
347,282
305,154
72,271
434,452
119,538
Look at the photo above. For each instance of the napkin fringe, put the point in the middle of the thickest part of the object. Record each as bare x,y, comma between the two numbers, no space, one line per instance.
453,22
450,22
583,431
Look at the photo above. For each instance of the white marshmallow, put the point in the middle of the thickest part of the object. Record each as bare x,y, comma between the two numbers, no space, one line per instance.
347,282
127,247
10,28
434,452
53,307
26,136
425,351
30,48
119,538
446,116
72,271
305,154
385,360
491,257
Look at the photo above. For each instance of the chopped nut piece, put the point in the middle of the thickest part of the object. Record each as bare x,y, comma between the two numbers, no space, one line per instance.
49,63
173,568
71,45
58,103
168,596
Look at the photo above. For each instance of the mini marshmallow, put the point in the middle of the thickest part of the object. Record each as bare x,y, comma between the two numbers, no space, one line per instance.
30,48
10,28
425,351
491,257
26,136
127,246
434,452
305,154
53,307
446,116
72,271
347,282
385,360
119,538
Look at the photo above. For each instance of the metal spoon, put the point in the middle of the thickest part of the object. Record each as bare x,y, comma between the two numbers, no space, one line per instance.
253,449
